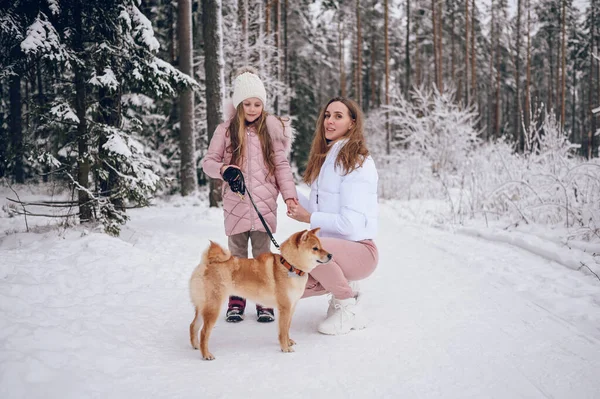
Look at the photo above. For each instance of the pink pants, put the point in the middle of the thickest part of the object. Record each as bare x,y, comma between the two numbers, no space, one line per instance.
352,260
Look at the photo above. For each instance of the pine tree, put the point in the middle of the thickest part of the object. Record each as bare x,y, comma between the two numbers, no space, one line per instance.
91,137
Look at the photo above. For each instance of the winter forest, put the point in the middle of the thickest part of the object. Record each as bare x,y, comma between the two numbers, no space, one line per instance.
483,121
491,106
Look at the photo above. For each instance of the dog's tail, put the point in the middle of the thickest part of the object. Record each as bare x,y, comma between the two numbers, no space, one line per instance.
215,253
198,289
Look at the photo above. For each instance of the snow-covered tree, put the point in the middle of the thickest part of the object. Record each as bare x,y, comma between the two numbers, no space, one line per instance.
97,54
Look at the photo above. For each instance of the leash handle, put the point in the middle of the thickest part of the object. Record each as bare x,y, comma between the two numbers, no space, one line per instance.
260,216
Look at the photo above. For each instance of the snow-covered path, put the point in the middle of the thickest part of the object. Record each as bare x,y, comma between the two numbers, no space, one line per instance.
453,316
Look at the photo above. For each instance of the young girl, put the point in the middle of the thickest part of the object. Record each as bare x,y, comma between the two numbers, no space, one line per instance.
343,203
255,144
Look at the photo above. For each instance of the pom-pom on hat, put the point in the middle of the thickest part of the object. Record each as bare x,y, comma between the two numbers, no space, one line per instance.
247,84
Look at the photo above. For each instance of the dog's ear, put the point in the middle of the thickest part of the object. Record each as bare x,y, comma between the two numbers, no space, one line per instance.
301,237
315,231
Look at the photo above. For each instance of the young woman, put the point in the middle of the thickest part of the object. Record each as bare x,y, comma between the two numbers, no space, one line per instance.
343,203
254,144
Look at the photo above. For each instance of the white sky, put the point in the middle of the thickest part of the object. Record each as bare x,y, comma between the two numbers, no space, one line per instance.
452,316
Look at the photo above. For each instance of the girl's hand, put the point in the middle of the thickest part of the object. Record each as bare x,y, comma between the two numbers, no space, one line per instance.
291,203
228,166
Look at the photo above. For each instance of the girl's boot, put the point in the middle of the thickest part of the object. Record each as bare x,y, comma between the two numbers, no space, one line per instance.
235,309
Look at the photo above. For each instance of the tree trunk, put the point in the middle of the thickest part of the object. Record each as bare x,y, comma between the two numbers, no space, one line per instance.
577,138
243,23
267,17
593,141
407,51
467,33
551,76
418,72
277,55
528,72
517,113
387,78
473,58
372,78
172,34
4,137
341,47
83,160
285,43
358,56
498,76
436,61
187,140
261,35
490,129
110,115
387,52
563,85
595,80
16,128
41,98
452,42
437,48
213,47
440,35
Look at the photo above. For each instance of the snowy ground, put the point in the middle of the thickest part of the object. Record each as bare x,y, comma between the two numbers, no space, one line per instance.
84,315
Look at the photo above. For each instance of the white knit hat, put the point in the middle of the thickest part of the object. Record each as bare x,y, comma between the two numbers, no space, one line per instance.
247,85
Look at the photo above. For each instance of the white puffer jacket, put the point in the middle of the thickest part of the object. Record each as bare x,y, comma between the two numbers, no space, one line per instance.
344,206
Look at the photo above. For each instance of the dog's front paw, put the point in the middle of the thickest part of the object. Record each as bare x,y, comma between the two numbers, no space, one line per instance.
208,356
289,349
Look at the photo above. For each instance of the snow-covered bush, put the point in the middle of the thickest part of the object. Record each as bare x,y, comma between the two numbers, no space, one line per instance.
549,184
435,154
432,138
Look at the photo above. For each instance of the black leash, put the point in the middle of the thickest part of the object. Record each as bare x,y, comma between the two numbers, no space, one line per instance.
260,216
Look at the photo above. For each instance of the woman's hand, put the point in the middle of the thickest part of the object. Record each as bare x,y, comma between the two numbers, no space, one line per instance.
297,212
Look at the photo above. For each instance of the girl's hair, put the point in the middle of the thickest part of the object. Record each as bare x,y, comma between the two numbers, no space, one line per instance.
351,156
237,133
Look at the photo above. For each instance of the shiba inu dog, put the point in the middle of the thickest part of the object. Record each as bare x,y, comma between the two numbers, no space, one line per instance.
272,280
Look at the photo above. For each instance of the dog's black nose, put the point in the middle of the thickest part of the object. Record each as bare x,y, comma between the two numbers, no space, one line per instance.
329,256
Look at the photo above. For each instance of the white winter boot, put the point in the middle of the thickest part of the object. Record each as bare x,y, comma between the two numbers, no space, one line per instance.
346,316
355,290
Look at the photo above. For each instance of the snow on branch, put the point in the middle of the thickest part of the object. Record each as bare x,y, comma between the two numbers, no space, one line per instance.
116,143
9,26
63,111
42,39
108,80
54,7
142,28
131,156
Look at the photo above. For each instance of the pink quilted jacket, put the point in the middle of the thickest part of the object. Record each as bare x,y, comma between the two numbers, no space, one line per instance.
240,215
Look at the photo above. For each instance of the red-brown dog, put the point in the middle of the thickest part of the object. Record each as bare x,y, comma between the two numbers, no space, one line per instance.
272,280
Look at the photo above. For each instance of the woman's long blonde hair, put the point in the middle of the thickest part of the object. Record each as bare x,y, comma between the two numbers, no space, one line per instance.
237,133
351,156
